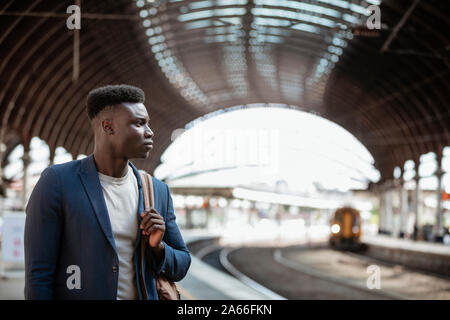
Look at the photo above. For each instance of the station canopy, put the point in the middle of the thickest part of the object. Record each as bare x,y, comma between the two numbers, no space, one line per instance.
389,87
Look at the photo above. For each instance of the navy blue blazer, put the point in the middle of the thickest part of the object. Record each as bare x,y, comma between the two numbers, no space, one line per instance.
67,225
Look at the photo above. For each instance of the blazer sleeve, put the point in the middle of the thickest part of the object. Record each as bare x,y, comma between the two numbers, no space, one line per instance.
177,258
43,226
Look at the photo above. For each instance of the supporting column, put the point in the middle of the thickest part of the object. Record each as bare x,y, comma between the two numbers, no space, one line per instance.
26,162
389,212
381,210
208,211
2,152
403,206
189,224
403,210
438,228
386,211
416,201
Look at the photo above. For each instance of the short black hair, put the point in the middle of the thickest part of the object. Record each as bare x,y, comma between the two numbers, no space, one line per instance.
99,98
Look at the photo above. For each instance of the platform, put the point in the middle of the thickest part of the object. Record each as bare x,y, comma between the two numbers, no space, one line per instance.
425,256
204,282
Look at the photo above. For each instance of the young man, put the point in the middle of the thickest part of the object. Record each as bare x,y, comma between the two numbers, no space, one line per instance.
85,218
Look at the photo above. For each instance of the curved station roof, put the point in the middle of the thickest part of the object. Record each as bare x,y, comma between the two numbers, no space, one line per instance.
390,87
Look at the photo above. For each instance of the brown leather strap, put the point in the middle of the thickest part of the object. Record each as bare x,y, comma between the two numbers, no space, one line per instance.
147,185
150,188
167,290
147,192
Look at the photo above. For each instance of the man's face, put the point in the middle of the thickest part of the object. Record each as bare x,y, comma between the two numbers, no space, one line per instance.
132,136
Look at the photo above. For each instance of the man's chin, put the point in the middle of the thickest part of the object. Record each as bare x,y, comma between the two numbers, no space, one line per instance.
141,155
145,155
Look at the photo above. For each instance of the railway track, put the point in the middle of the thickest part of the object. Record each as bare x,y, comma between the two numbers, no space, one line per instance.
268,271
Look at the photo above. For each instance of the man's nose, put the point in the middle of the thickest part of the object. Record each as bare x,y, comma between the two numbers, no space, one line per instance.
148,133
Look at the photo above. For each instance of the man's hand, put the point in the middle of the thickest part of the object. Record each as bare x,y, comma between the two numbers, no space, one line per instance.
153,223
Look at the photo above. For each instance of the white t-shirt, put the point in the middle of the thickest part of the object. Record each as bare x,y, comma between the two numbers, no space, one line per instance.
121,197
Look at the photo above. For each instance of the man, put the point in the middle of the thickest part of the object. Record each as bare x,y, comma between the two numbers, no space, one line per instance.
85,218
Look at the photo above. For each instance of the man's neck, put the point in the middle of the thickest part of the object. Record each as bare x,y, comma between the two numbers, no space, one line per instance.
110,166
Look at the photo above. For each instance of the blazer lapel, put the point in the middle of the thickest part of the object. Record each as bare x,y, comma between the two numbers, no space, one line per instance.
91,183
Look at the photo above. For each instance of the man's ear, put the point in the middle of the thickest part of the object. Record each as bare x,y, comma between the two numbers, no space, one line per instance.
107,126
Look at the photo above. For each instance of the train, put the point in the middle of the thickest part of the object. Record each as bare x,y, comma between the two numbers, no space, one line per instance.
345,229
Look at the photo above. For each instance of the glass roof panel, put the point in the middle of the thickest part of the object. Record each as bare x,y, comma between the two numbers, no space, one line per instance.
211,13
293,45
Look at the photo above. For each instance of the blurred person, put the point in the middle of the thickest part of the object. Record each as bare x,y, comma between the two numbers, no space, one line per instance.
85,218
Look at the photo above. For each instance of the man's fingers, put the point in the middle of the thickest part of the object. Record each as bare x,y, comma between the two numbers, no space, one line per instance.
145,219
150,213
146,211
154,214
153,228
147,216
149,222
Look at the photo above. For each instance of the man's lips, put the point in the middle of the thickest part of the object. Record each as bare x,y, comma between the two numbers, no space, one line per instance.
148,144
